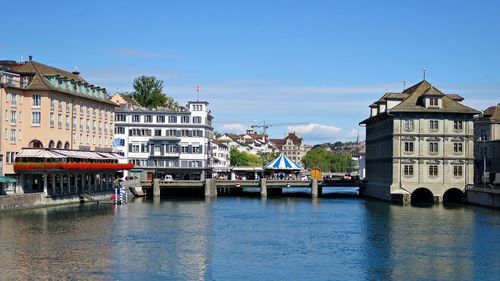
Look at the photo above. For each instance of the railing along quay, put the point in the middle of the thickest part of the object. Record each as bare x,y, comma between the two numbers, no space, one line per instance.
489,189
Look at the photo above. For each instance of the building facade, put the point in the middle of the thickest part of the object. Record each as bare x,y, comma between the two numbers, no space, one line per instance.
292,146
46,107
487,146
419,145
163,142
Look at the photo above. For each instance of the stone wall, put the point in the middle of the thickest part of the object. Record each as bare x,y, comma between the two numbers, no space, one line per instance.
488,199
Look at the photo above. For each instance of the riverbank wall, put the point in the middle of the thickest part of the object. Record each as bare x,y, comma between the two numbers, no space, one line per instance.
38,200
486,197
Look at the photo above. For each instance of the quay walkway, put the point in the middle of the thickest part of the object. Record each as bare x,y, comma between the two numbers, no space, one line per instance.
213,187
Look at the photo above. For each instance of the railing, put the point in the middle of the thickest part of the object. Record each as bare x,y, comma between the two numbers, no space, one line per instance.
482,188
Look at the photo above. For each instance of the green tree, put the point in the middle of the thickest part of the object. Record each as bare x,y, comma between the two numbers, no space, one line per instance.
244,159
267,157
148,92
328,161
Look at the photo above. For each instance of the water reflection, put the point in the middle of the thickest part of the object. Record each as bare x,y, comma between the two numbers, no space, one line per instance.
418,243
248,238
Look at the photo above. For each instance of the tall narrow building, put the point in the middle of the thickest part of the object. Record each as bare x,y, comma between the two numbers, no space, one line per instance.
419,146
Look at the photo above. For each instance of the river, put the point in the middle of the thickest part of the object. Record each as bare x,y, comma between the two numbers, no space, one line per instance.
248,238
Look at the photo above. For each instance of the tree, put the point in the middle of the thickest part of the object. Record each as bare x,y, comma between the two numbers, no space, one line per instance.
148,92
328,161
244,159
267,157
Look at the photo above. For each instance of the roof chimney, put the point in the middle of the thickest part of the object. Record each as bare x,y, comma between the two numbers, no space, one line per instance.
75,71
30,57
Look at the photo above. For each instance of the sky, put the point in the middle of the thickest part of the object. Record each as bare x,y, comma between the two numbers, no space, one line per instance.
312,67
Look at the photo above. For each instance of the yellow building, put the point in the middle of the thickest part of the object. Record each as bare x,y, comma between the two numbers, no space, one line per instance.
46,107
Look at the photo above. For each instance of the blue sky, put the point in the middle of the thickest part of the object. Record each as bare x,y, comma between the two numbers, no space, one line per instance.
314,64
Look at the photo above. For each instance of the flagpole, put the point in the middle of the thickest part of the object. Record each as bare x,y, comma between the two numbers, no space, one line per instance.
197,92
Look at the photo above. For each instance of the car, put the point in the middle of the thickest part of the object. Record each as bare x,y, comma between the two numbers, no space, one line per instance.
168,178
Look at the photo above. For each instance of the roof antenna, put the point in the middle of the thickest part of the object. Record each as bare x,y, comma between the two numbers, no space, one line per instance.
424,73
404,85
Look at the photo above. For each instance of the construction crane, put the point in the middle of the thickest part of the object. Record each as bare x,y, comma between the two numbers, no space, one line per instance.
266,126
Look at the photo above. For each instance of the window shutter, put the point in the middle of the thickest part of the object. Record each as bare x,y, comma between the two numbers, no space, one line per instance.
201,149
190,149
130,147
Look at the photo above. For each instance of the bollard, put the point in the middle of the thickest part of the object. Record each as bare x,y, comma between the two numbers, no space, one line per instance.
156,188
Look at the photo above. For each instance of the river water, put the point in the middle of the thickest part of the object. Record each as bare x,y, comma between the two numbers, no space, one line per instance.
248,238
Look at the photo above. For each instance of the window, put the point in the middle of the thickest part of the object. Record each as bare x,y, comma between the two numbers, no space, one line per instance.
433,125
433,147
171,133
135,148
35,118
67,105
60,105
408,146
457,171
148,119
119,130
36,100
157,150
13,117
172,148
14,99
184,133
483,135
197,120
93,125
408,125
136,118
12,135
74,123
120,118
59,121
67,122
433,102
184,149
433,170
172,119
457,125
6,134
196,149
185,119
158,133
160,119
52,119
408,170
458,147
198,133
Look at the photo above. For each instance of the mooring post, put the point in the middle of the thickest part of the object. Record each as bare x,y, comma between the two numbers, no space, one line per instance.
314,188
156,188
263,187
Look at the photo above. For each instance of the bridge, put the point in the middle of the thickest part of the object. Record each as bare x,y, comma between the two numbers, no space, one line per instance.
213,187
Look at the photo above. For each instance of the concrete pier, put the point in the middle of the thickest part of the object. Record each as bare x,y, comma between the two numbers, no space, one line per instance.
314,189
156,188
210,188
263,188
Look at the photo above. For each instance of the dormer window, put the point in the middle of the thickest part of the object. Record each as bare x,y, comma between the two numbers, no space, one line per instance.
433,102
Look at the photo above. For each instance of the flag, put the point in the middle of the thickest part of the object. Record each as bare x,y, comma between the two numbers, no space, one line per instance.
197,88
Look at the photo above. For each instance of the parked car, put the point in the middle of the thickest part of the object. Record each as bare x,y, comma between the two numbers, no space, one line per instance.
168,178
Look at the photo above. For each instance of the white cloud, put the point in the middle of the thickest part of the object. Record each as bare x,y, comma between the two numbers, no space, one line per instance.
235,128
316,132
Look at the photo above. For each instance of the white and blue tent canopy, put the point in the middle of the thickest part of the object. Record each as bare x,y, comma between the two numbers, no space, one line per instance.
282,163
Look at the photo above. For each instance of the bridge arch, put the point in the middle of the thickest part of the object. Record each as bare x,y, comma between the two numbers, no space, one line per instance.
454,195
422,195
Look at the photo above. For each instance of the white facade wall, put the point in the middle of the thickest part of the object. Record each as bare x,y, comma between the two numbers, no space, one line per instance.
165,140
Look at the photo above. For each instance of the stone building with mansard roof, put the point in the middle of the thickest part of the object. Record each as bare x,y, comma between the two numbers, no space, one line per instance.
419,145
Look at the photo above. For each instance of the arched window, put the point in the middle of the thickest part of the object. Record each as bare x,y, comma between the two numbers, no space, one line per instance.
51,144
66,145
59,145
35,144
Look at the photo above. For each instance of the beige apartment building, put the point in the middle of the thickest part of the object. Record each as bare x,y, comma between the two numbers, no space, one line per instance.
419,146
46,107
487,150
292,146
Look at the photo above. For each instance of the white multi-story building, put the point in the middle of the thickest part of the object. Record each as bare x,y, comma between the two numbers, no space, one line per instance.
419,145
162,142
